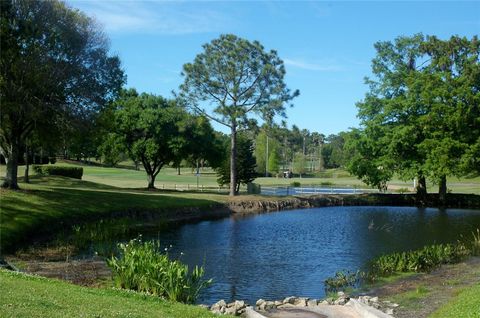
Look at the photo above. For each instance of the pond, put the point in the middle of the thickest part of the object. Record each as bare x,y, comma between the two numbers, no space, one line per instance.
280,254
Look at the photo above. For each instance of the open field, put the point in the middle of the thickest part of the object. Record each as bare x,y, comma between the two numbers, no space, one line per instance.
168,178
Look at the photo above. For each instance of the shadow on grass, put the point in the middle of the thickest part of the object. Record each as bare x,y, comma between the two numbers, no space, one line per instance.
64,182
32,214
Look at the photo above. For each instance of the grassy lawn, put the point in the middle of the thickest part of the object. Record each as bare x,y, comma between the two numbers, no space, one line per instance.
168,179
466,305
47,202
31,296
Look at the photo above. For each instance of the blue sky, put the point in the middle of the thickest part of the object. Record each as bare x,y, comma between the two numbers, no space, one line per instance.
326,46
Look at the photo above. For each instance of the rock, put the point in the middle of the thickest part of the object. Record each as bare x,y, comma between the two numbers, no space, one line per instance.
218,305
269,305
373,300
278,303
231,311
301,302
312,303
340,301
239,305
364,299
289,300
324,302
204,306
394,305
259,302
330,300
389,311
341,294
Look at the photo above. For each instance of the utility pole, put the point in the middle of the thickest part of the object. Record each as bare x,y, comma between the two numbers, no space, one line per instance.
266,158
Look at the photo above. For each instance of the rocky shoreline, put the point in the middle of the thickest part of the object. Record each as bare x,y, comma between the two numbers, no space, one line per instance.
263,307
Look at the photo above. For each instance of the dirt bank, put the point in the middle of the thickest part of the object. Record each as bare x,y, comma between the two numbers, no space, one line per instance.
422,294
252,204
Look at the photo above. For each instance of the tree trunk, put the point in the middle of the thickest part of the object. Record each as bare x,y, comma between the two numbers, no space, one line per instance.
178,170
422,186
233,160
442,190
26,179
11,158
151,181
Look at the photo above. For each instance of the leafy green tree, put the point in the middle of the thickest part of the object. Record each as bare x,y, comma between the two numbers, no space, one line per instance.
54,66
197,142
111,149
265,145
245,170
240,79
274,162
450,85
299,164
422,107
366,159
156,132
147,125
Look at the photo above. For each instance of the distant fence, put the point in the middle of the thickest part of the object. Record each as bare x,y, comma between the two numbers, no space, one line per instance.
264,190
283,191
196,188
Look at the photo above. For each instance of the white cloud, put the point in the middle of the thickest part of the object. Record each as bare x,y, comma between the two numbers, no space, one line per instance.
327,66
153,17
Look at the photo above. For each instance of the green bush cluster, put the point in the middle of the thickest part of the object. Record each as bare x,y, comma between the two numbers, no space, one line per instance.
421,260
46,170
142,267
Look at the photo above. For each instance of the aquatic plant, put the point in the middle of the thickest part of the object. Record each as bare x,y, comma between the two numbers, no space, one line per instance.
475,246
421,260
343,280
143,267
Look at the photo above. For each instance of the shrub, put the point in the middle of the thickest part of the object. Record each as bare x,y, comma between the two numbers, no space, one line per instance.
295,184
142,267
71,172
327,183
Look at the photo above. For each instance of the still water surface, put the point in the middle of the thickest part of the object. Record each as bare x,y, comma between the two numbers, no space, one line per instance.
275,255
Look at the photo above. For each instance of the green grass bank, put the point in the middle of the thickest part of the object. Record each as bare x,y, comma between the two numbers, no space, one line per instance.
32,296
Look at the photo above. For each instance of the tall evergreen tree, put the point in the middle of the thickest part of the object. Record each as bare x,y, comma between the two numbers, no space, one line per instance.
239,78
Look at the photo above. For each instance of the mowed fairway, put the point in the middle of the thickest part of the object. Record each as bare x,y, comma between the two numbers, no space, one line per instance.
169,179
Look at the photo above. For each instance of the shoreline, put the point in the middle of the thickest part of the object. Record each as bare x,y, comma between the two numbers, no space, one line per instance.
245,205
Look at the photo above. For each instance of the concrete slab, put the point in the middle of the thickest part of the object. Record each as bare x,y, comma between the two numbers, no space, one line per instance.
354,309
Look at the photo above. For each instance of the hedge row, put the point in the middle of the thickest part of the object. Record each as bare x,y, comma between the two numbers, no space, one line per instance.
71,172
